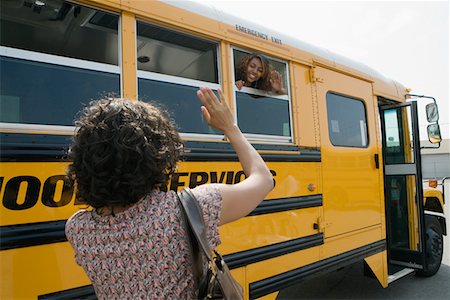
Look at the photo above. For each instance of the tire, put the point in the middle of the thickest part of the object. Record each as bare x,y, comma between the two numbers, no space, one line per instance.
434,247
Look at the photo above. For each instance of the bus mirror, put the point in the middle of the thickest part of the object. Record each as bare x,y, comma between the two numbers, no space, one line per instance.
434,133
432,112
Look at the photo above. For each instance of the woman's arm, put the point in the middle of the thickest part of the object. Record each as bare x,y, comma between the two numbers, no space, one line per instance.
238,199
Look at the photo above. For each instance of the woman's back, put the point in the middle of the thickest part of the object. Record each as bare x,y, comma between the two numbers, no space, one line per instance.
143,251
133,244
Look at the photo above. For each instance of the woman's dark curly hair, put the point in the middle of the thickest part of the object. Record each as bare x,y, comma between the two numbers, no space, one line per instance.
264,82
121,151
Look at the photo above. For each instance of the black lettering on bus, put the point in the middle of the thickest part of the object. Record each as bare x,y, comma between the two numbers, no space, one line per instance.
273,174
11,194
238,177
49,199
48,192
175,181
230,176
78,201
214,177
197,178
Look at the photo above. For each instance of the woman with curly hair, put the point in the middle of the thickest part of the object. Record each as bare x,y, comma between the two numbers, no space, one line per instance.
132,244
255,71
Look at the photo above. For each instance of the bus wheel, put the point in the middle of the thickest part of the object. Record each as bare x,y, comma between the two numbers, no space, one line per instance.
433,247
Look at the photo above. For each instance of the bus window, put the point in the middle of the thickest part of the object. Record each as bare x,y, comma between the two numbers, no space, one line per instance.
171,68
54,57
347,124
263,109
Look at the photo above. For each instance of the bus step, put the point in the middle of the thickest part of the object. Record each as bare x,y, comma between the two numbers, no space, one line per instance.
399,274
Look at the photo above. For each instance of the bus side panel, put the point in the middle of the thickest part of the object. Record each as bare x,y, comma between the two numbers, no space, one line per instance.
39,270
272,226
304,110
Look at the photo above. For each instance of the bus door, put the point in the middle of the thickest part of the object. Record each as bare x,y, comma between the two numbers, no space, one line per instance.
350,174
403,186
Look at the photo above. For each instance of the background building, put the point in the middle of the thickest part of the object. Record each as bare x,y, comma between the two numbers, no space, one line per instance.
436,162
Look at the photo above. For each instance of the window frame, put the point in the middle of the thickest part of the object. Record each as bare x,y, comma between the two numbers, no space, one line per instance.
252,91
53,59
59,61
363,102
141,74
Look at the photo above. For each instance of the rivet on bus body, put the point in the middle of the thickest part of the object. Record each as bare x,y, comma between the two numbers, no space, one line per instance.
311,187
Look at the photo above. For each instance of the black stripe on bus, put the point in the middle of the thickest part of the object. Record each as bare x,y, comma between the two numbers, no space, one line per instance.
32,234
284,204
83,293
243,258
216,151
284,280
35,234
44,147
33,147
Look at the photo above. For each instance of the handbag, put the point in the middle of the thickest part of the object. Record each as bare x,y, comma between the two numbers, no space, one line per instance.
217,283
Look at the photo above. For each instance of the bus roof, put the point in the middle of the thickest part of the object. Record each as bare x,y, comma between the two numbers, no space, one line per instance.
306,53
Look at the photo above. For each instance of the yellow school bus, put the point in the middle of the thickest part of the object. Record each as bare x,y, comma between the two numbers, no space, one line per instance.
342,142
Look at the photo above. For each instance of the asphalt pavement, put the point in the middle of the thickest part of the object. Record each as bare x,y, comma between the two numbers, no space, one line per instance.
350,283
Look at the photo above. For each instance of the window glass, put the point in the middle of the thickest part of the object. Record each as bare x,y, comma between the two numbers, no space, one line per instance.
398,136
347,124
261,94
165,51
42,93
61,28
172,66
401,201
262,115
180,101
40,81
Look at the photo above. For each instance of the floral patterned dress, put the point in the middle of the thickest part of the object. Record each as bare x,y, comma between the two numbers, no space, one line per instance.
143,252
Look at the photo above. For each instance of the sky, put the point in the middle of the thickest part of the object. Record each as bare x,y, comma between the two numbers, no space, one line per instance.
407,41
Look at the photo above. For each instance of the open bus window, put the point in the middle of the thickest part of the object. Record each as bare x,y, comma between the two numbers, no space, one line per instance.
263,106
347,125
171,67
55,56
256,71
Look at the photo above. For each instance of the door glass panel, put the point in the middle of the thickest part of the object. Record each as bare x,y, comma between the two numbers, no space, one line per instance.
398,136
347,125
404,227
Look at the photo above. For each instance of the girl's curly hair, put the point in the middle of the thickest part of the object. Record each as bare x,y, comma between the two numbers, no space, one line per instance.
121,151
263,83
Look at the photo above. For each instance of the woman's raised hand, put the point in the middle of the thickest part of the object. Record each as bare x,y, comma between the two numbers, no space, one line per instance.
216,112
276,80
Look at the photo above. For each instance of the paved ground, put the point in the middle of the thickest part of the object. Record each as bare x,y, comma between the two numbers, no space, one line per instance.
350,283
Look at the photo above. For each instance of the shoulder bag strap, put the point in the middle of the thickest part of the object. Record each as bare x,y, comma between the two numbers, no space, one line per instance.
195,218
194,247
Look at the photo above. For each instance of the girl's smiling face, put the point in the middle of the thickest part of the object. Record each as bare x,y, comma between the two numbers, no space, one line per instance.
254,70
